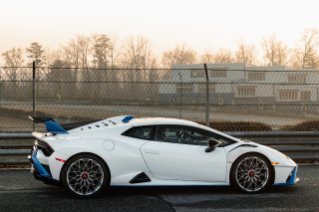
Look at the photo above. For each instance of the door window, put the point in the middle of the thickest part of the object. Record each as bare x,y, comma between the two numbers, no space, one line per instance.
183,135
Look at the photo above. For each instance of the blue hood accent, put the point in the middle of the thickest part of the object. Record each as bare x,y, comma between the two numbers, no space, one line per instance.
127,119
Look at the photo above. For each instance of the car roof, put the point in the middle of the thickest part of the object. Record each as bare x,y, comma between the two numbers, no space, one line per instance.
161,121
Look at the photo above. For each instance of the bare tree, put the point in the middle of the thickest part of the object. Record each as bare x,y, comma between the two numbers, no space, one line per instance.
72,53
306,49
13,58
83,43
208,56
137,53
52,56
76,52
224,55
296,58
181,54
276,53
246,53
115,48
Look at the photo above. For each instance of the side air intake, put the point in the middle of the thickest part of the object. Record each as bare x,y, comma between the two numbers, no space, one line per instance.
140,178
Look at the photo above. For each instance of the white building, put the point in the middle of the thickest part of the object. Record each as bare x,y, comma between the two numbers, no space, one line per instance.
242,84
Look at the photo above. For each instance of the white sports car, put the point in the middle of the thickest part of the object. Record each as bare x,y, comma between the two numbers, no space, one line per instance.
123,151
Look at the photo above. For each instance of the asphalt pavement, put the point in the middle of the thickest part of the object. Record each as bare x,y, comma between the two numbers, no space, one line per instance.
19,191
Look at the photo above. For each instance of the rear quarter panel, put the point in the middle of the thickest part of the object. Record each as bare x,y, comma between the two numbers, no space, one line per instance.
123,159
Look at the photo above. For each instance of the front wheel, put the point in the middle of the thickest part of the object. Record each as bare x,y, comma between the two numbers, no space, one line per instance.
85,176
251,173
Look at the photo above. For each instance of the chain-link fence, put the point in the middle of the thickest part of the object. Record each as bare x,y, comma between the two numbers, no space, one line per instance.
241,98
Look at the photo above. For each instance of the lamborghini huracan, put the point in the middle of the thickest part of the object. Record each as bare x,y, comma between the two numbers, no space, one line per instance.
86,158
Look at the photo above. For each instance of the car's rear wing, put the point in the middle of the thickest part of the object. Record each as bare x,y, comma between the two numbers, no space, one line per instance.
51,125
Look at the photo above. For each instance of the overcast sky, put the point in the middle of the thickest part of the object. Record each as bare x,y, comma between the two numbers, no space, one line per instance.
215,23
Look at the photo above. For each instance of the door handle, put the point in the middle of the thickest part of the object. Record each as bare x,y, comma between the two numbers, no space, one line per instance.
150,151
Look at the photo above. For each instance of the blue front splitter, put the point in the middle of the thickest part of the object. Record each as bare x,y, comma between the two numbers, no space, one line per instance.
292,180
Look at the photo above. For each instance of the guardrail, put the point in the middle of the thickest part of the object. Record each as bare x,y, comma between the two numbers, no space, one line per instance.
14,147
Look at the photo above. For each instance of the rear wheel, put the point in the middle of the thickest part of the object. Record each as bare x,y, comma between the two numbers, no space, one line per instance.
251,173
85,176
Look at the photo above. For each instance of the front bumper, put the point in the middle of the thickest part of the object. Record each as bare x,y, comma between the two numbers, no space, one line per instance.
292,178
39,172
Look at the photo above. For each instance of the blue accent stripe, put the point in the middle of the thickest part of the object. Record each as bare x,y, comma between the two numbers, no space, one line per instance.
292,180
39,166
127,119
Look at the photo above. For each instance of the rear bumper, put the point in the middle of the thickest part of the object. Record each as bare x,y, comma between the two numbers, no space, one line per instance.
39,172
292,178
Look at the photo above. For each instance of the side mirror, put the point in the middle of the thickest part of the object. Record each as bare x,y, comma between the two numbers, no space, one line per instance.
213,143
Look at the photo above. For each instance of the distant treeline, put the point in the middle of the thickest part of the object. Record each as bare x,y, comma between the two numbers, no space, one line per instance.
107,51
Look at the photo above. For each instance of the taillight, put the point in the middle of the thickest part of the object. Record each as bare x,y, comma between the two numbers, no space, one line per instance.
45,147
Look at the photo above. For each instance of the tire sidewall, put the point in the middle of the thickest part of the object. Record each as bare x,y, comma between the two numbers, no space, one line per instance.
233,181
66,167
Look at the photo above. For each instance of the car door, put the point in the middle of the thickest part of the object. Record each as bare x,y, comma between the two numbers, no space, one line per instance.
178,153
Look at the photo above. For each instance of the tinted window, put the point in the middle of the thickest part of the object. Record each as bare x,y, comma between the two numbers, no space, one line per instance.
140,132
183,135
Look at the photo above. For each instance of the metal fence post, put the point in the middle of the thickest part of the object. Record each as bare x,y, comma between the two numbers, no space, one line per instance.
207,95
33,90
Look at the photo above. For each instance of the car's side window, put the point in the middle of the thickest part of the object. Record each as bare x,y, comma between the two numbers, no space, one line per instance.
145,132
183,135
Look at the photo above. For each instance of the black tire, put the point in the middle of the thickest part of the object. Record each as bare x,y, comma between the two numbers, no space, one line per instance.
253,178
93,180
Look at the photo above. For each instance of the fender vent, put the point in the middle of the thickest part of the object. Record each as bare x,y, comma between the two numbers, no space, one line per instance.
140,178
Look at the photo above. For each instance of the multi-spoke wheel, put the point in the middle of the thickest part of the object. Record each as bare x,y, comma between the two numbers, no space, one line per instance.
85,176
251,173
